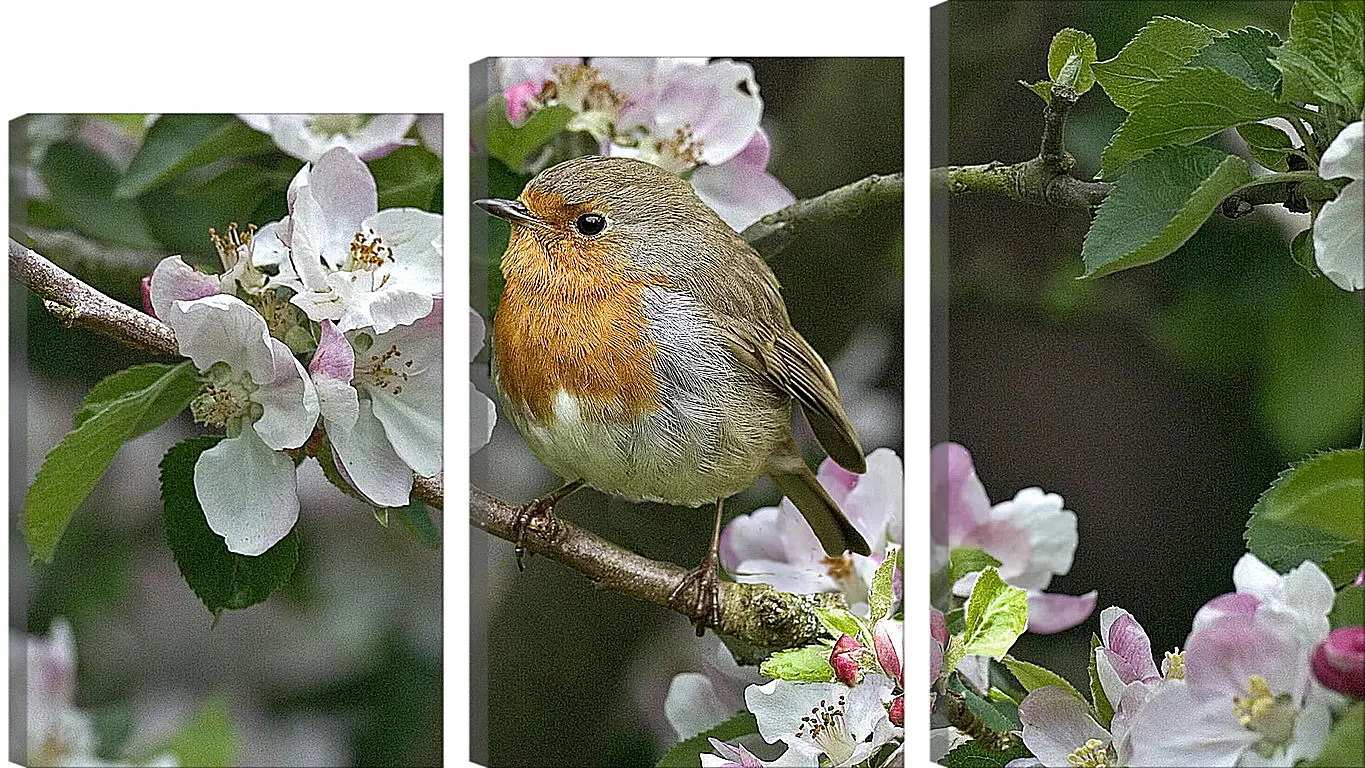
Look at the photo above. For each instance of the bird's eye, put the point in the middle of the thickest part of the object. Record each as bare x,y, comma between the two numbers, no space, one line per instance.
590,224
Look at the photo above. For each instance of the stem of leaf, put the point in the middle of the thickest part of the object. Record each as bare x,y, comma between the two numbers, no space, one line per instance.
1306,138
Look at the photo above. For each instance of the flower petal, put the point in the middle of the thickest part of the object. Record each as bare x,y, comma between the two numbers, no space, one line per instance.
222,328
369,460
957,501
328,211
1049,612
1338,238
174,280
414,236
1056,724
741,190
412,415
247,492
289,401
334,358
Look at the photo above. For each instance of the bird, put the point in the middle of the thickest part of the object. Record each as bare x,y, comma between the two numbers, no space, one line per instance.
642,348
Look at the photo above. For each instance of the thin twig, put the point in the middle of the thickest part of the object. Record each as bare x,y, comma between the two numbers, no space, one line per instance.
754,613
775,231
77,305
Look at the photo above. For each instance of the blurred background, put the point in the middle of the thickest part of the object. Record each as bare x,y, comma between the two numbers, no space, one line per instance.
565,675
1159,402
342,666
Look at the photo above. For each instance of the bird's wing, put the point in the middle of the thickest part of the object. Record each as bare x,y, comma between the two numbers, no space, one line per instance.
746,304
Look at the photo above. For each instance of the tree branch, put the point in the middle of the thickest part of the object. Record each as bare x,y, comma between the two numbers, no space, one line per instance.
754,613
775,231
77,305
1046,180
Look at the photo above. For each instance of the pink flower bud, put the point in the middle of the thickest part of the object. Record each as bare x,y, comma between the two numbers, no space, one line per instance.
886,639
897,713
938,627
147,296
1360,579
844,659
1339,661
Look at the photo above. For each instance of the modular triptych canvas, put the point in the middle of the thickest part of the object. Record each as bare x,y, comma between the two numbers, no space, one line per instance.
742,408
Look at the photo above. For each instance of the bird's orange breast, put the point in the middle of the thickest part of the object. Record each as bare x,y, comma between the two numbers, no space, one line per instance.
564,324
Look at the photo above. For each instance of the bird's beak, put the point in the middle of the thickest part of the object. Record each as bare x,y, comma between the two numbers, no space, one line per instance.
512,210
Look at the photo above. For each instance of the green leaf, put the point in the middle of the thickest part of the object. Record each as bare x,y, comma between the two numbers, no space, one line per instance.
687,753
1065,44
1244,54
1348,610
1158,204
180,212
406,177
1043,88
1104,711
965,560
996,616
1324,60
802,665
1285,545
121,407
1190,105
881,595
513,144
1311,509
997,715
119,384
839,621
82,184
1158,49
177,143
1032,676
971,754
1346,742
220,578
205,740
416,517
1268,145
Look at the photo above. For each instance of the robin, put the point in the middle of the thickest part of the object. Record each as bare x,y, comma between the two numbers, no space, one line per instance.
642,348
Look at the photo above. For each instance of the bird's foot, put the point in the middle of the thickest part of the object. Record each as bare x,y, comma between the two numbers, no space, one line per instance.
698,595
535,516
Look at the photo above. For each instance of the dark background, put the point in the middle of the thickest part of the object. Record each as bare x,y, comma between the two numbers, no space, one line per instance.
574,677
1159,402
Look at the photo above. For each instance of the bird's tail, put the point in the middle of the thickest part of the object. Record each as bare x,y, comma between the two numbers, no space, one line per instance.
831,527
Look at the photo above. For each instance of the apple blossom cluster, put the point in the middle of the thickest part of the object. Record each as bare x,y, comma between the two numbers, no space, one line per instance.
354,290
58,732
1258,682
1244,691
686,115
850,709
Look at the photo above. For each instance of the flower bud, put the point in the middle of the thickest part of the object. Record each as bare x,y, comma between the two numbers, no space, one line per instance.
897,713
147,296
938,627
844,659
1339,661
886,639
